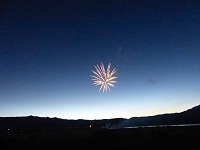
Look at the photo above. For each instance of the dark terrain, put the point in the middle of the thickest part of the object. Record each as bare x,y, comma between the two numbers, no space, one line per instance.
52,133
183,138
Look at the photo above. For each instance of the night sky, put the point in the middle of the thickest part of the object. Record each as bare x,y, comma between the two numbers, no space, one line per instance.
49,47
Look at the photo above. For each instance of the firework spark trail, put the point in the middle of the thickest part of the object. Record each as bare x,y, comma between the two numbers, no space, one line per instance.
104,77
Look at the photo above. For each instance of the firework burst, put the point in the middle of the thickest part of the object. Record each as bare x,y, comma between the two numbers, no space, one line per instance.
104,77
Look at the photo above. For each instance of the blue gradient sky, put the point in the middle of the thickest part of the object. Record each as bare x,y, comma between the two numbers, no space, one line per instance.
48,49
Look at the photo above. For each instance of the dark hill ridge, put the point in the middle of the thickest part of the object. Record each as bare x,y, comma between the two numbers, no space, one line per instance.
191,116
45,123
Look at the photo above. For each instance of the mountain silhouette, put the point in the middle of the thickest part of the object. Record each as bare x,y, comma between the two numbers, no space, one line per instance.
190,116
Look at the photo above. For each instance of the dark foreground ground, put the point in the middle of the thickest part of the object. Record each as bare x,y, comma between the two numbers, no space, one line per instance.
183,138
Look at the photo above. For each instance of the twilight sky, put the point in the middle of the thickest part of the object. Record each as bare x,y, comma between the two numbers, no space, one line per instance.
49,47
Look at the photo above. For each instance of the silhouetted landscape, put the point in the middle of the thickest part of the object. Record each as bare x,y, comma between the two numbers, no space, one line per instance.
167,131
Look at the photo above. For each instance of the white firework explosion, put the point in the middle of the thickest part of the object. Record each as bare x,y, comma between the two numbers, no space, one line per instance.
104,78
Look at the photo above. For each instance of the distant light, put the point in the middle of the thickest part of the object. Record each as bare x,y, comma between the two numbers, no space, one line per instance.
90,126
8,129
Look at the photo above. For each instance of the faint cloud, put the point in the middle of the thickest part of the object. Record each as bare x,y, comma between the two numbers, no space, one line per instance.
125,56
152,81
119,49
